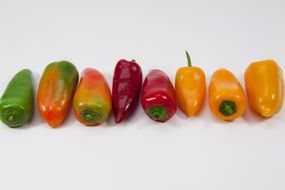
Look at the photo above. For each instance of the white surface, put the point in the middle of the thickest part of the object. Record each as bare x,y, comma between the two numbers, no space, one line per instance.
182,154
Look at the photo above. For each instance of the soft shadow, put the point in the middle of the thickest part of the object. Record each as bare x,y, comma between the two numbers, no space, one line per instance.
253,117
111,121
181,114
69,120
130,119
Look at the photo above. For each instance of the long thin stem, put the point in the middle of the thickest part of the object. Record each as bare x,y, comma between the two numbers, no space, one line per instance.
188,59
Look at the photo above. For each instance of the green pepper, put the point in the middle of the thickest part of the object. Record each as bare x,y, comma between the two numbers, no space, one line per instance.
16,104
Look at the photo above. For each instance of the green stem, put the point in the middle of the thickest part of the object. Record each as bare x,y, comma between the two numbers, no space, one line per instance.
157,113
90,116
228,108
188,59
12,116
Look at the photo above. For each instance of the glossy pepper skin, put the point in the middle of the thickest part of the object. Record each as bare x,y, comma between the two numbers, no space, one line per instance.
227,98
92,102
56,88
264,87
16,104
190,88
127,82
158,96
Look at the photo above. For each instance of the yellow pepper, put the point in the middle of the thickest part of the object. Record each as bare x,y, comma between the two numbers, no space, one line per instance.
264,87
190,88
227,98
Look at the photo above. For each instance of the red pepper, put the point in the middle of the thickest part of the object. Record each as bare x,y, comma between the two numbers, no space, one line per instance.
127,82
158,99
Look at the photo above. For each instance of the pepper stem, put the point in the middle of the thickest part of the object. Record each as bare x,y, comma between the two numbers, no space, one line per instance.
90,116
12,116
228,108
188,59
157,113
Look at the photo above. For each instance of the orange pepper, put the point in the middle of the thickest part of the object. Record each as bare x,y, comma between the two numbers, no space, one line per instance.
190,88
264,87
92,102
227,98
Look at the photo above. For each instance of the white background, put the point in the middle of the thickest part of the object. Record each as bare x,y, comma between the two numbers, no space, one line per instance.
139,154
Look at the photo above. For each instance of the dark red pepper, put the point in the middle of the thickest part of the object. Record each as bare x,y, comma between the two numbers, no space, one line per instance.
127,82
158,99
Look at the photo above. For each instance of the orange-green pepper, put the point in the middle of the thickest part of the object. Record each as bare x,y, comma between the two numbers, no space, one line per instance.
190,88
227,98
264,87
55,91
92,102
